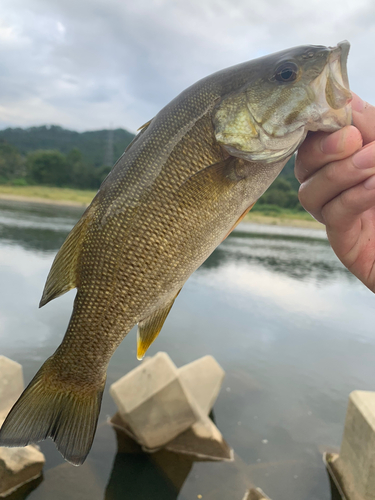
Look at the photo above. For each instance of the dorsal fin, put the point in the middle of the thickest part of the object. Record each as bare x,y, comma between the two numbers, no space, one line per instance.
149,328
145,125
63,275
141,130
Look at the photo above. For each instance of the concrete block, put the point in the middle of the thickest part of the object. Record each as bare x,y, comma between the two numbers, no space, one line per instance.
19,466
153,401
255,494
203,378
202,440
354,468
11,383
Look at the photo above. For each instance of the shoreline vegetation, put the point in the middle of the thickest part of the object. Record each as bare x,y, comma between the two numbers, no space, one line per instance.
82,198
49,164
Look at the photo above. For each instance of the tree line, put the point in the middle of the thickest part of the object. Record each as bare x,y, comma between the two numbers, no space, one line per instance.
54,156
49,168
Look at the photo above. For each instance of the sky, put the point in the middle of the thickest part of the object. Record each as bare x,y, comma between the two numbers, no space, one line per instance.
94,64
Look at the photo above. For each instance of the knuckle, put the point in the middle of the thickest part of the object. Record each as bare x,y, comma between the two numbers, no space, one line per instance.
304,196
300,171
347,200
330,173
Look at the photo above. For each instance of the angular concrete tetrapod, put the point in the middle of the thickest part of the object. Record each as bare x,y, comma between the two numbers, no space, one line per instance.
153,401
203,378
255,494
11,384
354,468
17,465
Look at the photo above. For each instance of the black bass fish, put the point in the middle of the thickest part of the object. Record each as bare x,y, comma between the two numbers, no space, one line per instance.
179,189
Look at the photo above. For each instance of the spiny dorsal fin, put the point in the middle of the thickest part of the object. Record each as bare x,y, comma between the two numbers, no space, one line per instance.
141,130
145,125
63,275
149,328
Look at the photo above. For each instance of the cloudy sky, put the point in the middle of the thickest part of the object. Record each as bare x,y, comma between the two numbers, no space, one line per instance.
91,64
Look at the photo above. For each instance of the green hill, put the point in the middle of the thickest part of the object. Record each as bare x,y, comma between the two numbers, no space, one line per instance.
98,148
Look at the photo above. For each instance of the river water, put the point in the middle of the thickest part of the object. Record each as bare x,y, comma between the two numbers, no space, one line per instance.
291,327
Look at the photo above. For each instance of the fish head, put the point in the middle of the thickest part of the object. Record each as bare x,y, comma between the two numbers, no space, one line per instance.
287,94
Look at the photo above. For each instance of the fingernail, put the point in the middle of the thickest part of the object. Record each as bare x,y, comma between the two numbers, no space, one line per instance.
365,158
357,103
370,183
334,143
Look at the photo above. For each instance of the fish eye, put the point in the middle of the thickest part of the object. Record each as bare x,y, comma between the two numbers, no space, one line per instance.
286,72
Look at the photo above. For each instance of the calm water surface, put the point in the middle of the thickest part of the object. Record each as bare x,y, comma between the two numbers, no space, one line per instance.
290,326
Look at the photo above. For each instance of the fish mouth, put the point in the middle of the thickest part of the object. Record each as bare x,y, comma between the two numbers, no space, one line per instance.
338,94
332,91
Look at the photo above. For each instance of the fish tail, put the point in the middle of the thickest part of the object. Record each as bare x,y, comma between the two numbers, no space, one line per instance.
52,407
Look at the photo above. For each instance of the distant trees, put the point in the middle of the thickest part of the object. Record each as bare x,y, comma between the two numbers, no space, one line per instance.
52,155
53,167
282,194
49,168
12,164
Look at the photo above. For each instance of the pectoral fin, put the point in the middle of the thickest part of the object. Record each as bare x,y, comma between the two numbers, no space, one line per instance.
213,180
149,328
63,275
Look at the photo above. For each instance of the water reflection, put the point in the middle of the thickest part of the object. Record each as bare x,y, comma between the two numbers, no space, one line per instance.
135,474
300,257
36,227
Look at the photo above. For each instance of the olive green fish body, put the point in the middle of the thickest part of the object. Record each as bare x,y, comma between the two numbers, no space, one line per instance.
172,197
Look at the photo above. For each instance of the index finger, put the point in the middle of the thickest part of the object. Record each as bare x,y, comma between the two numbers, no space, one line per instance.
364,118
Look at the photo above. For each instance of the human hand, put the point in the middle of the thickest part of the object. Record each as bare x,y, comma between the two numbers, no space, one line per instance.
337,176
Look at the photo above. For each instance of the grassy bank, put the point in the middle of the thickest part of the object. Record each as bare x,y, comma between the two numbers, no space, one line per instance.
284,220
66,196
44,194
277,216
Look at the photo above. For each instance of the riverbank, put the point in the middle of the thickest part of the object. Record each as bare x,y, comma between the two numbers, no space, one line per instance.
49,195
82,198
302,219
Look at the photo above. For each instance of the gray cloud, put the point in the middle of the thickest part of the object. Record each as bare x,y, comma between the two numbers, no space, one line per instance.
90,63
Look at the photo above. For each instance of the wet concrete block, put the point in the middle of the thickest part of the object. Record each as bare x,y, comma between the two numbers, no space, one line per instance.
153,401
11,384
354,468
19,466
202,440
203,378
255,494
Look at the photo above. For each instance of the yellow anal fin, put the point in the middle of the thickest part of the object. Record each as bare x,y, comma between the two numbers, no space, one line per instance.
149,328
63,275
239,220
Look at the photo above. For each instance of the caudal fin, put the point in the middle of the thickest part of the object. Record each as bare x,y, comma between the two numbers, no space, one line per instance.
51,408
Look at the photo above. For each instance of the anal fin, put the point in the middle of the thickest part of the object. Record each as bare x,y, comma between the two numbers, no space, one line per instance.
149,328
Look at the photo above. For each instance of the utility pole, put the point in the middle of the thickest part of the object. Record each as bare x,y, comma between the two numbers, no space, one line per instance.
109,153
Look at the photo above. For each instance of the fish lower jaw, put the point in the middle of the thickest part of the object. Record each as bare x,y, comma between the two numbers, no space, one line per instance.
331,120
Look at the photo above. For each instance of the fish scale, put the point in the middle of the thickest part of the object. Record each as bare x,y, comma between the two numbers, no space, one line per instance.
185,181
